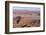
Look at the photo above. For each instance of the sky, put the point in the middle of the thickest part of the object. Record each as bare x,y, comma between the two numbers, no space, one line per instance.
26,8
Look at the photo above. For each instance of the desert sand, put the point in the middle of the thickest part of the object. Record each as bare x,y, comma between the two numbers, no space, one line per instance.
26,20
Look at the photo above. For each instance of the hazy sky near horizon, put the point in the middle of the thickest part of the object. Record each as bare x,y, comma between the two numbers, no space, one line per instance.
26,8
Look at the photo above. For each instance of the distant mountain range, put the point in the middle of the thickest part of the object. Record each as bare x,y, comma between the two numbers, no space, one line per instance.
25,12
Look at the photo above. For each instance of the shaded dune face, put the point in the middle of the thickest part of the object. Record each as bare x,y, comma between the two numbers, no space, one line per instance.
26,21
18,18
